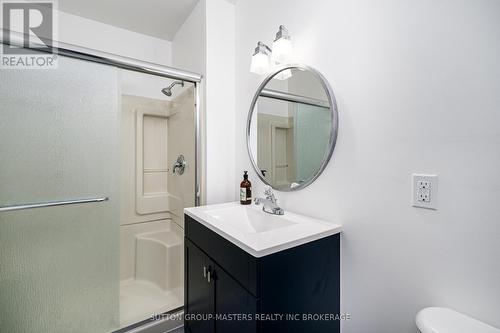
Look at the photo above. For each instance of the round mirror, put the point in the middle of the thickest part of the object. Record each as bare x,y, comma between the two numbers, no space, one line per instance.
292,127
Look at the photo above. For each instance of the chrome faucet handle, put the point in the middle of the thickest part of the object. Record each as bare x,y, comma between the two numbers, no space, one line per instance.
180,165
268,192
269,203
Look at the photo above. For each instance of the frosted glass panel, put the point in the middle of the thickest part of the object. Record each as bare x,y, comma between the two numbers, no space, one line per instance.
312,132
59,266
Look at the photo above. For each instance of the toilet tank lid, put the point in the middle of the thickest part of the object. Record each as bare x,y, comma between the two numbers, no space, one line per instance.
443,320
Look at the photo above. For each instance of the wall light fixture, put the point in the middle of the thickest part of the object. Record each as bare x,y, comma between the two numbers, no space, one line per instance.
265,60
261,63
282,47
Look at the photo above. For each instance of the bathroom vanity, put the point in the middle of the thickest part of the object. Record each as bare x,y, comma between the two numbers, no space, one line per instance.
248,271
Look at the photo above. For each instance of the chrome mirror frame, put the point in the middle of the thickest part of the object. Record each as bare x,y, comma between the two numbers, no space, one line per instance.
333,133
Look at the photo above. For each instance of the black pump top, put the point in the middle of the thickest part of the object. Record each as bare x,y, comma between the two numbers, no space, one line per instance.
245,175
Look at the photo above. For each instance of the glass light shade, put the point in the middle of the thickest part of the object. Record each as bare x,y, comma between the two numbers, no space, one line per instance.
260,63
282,51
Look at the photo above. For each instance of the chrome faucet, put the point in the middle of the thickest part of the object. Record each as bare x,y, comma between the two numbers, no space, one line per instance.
269,204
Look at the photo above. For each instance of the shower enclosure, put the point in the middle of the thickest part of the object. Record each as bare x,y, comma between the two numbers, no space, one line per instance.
96,166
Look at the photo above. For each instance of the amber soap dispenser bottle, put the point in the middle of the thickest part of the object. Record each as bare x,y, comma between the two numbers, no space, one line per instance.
245,190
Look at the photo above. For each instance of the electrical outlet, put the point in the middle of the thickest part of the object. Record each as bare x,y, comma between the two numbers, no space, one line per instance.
424,192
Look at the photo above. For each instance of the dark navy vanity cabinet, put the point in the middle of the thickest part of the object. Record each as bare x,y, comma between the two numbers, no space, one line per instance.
227,290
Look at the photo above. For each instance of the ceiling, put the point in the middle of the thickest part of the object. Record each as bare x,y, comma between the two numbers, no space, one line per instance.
158,18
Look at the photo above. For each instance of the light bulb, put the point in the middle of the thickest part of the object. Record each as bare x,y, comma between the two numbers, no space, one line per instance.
260,60
282,47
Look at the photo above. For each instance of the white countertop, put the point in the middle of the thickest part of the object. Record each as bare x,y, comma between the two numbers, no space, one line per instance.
260,233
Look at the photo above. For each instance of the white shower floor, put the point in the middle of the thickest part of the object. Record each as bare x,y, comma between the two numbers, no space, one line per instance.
139,300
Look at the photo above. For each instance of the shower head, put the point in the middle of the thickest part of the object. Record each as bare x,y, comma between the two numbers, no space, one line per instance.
168,90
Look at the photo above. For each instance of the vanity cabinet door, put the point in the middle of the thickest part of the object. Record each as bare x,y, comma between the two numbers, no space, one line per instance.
199,291
235,307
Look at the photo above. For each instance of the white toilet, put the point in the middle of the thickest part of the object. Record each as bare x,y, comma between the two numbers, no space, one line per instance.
443,320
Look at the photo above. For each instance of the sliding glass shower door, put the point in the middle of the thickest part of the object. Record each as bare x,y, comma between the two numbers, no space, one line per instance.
59,265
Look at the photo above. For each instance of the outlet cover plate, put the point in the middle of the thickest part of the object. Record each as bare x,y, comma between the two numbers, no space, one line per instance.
424,191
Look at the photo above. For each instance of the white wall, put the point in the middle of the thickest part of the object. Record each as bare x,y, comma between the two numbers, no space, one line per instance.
417,86
188,45
206,44
103,37
220,101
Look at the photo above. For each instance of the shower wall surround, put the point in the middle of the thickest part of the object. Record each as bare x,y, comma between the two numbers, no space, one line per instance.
154,131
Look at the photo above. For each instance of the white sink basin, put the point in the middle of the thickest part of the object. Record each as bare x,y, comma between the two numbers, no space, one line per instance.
260,233
249,220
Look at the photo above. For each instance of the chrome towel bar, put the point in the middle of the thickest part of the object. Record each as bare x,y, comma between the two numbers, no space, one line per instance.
51,204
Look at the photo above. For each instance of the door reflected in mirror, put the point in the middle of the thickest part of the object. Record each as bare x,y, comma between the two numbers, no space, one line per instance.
292,128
